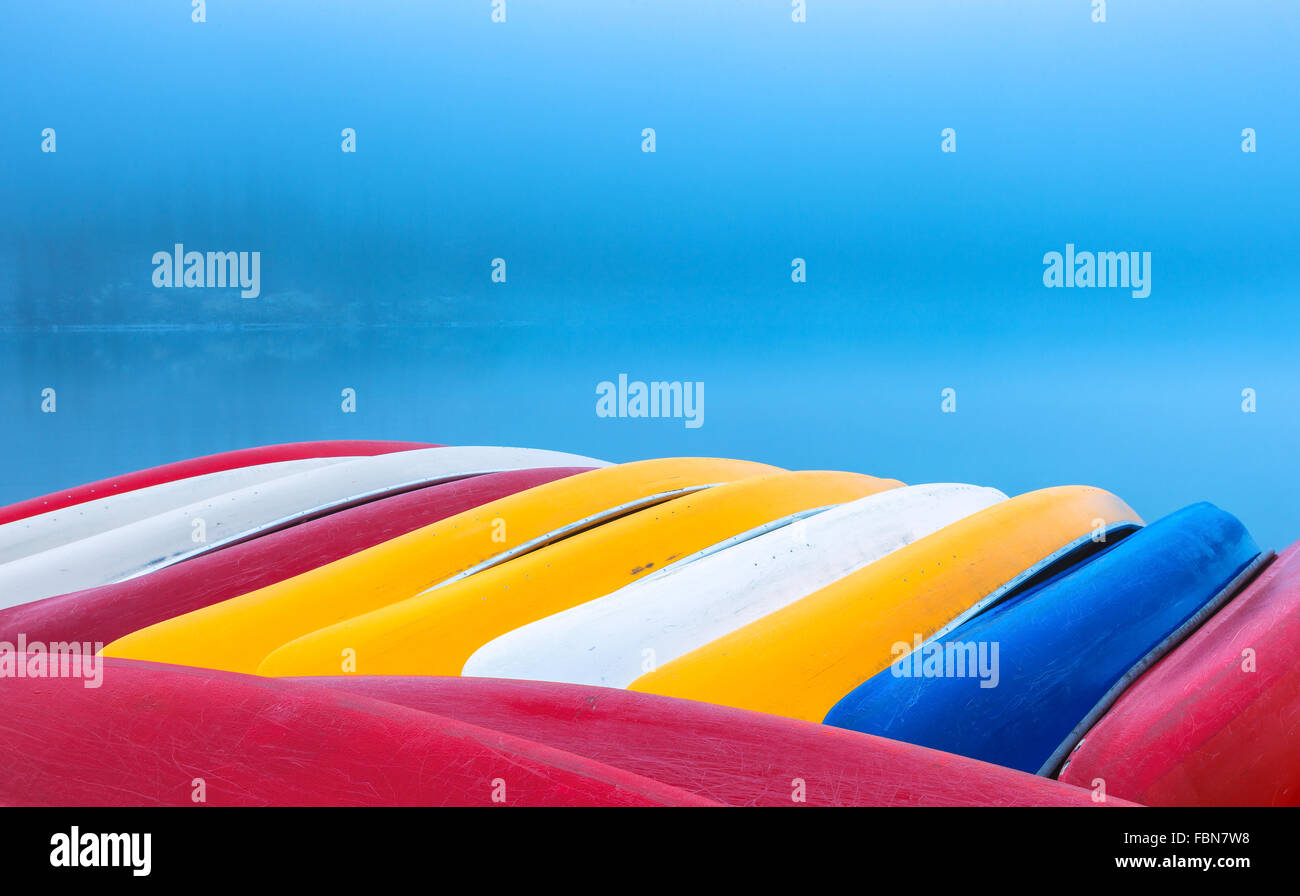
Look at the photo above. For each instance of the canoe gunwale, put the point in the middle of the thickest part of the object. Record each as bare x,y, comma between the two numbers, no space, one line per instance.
1026,577
467,470
125,483
577,527
739,538
1060,758
708,595
302,516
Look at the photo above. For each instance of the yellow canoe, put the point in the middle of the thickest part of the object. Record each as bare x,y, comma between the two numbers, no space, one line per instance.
239,633
436,633
801,660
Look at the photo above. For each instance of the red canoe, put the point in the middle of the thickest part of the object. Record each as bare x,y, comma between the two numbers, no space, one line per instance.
1217,721
733,756
109,612
212,463
165,735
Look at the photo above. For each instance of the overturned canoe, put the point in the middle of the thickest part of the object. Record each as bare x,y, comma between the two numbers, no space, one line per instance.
48,531
732,756
1217,721
109,612
152,735
436,633
238,633
231,517
200,466
1061,653
609,641
801,660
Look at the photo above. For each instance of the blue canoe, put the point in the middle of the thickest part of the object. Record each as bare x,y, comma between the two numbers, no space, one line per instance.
1020,683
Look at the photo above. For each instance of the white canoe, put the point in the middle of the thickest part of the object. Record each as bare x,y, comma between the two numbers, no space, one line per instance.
45,531
149,544
609,641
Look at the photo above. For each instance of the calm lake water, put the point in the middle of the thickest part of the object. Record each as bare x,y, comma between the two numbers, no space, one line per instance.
774,141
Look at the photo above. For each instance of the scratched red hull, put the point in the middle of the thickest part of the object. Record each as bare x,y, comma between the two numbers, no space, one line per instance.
198,466
109,612
162,735
1201,728
733,756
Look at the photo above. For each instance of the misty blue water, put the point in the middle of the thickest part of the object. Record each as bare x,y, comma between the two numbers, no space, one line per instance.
775,140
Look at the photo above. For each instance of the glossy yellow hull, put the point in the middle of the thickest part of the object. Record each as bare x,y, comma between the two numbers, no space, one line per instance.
239,633
435,633
800,660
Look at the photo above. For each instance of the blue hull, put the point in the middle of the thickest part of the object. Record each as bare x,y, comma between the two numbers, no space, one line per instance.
1057,655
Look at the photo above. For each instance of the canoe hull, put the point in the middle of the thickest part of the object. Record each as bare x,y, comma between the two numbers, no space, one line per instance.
803,659
168,736
1217,721
199,466
232,517
239,633
436,633
109,612
57,528
735,757
1063,650
605,641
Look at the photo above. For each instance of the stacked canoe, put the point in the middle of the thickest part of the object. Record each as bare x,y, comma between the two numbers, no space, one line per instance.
381,623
